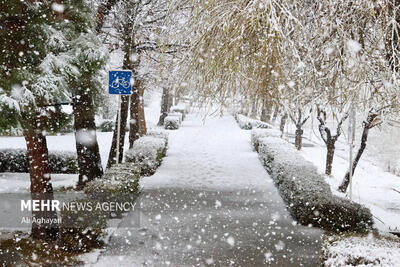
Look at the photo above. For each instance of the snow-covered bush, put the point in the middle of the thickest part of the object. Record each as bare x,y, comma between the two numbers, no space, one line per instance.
308,196
171,122
16,160
118,183
176,114
247,123
158,132
372,249
147,152
180,109
80,230
256,134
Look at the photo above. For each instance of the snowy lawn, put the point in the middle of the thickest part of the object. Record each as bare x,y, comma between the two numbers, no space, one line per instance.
20,183
376,189
358,250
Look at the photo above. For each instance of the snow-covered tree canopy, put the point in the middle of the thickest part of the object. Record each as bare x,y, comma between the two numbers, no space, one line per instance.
298,53
45,45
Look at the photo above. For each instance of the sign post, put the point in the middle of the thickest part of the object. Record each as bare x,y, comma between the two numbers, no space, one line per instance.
351,137
119,83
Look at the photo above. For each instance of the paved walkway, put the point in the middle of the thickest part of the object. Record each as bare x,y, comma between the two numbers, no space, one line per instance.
211,203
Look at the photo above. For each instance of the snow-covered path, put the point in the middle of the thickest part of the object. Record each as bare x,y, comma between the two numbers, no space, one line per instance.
211,203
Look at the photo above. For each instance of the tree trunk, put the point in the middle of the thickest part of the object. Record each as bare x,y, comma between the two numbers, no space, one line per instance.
254,107
87,148
276,112
164,106
170,100
41,188
283,123
137,122
266,111
329,156
299,138
102,12
345,183
142,118
113,150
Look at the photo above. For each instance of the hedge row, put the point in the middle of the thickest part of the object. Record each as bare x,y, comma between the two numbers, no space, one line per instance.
118,183
16,160
81,230
179,109
247,123
307,195
147,153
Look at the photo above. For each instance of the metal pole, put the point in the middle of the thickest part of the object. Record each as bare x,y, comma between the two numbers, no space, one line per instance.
352,131
118,128
351,171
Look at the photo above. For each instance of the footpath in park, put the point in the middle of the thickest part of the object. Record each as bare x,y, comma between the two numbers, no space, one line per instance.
211,203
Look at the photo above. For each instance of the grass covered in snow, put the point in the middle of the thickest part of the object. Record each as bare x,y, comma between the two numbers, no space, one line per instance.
361,250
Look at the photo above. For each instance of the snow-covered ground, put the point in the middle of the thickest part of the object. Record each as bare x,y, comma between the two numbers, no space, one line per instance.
367,250
373,187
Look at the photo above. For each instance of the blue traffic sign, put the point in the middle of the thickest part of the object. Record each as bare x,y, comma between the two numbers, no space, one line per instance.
119,82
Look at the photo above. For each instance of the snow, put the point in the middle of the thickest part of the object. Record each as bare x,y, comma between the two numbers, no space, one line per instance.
362,251
353,46
176,114
86,137
147,152
20,182
211,201
248,123
58,7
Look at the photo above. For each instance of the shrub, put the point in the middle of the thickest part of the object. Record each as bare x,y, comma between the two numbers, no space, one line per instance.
256,134
180,109
247,123
119,183
63,162
158,132
171,122
176,114
147,152
80,230
308,196
16,160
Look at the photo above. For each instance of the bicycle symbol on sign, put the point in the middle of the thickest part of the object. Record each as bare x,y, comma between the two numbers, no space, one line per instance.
120,82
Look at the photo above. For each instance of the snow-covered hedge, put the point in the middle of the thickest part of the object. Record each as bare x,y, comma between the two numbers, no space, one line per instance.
247,123
147,152
171,122
372,249
16,160
180,109
80,230
118,183
308,196
176,114
256,134
157,132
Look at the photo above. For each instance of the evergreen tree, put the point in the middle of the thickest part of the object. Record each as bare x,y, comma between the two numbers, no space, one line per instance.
46,47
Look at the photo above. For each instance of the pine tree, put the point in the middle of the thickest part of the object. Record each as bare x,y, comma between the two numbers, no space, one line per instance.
46,47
